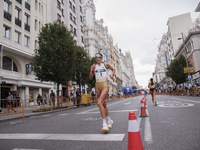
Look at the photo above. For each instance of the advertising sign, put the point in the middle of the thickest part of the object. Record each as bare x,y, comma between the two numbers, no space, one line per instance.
195,76
188,70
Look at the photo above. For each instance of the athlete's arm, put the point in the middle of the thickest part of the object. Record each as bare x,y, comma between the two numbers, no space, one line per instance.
92,71
111,68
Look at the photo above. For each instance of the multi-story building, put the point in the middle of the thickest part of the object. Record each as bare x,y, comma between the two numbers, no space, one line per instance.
95,34
125,70
118,71
21,21
131,69
176,26
190,47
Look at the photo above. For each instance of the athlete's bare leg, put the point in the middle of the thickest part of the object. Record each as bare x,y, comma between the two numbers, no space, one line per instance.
101,101
154,95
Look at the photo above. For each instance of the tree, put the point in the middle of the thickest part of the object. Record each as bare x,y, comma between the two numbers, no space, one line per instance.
175,70
55,56
82,67
91,83
134,87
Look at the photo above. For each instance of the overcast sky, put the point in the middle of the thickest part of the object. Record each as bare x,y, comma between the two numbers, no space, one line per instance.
138,25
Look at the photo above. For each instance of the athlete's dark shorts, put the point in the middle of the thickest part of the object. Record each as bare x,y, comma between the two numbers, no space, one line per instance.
152,89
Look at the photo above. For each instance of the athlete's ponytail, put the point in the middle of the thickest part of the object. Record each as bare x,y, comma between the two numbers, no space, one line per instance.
151,81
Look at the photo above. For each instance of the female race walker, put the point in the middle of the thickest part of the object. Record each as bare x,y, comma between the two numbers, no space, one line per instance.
102,88
152,86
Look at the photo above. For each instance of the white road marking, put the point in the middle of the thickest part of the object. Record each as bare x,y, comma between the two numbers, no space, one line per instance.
127,103
187,100
109,111
65,137
85,112
45,115
62,114
25,149
147,130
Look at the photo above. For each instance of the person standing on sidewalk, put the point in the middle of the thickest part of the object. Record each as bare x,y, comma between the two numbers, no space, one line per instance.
10,103
102,88
52,96
152,86
74,97
39,100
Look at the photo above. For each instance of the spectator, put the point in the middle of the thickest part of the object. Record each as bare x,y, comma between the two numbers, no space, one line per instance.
10,103
45,99
93,96
74,97
52,97
78,95
39,100
189,86
18,99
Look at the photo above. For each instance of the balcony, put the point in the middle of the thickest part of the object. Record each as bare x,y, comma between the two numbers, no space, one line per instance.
19,1
27,5
27,27
7,15
18,22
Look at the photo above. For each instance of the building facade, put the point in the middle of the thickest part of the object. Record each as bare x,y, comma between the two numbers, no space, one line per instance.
21,21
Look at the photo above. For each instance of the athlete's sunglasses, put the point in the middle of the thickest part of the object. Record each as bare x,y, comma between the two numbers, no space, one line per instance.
98,57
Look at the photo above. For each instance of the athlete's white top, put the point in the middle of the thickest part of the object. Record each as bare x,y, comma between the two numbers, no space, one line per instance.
101,73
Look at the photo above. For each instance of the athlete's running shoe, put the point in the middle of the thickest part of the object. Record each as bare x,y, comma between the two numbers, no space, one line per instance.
155,104
105,128
110,124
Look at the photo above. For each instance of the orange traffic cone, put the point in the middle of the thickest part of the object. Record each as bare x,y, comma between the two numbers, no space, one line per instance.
134,139
143,111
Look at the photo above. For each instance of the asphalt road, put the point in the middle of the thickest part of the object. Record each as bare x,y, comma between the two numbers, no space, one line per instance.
172,125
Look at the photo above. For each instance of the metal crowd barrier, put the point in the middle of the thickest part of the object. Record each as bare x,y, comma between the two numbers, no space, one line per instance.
16,106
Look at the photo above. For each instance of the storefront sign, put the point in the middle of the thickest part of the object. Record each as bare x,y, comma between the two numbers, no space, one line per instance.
188,70
195,76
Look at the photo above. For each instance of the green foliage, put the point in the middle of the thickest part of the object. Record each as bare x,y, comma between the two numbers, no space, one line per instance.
134,87
55,56
82,67
175,70
91,83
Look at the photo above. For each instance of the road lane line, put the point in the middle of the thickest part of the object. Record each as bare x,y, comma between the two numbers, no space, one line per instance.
109,111
186,100
25,149
64,137
127,103
62,114
98,107
147,130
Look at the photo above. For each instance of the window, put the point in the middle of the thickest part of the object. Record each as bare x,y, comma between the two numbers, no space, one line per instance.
26,25
62,2
36,5
36,25
6,32
74,20
74,9
70,5
62,12
81,18
80,9
17,34
71,16
26,41
17,20
62,23
7,15
27,5
71,27
6,6
39,8
58,5
80,1
9,64
74,31
82,39
58,18
81,28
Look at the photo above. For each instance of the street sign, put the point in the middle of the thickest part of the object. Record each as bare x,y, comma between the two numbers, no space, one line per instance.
188,70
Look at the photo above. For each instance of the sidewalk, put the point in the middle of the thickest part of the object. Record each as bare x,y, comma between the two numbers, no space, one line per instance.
28,113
